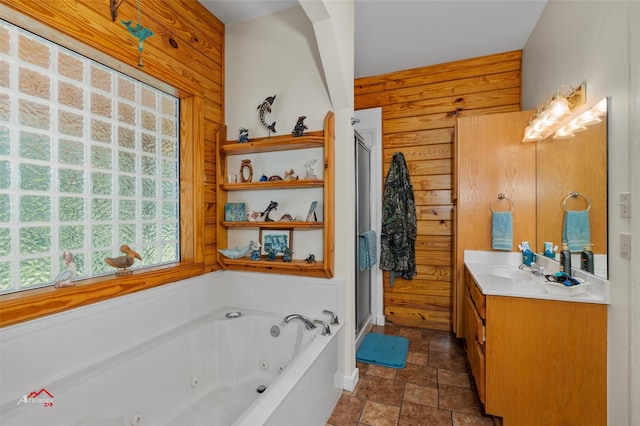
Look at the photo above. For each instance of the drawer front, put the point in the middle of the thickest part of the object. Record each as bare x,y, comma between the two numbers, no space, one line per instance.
477,363
478,328
478,298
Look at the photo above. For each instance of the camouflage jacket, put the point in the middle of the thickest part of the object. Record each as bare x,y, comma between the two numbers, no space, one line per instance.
399,229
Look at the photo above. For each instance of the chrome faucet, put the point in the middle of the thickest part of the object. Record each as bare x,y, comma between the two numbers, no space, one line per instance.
307,322
334,317
326,330
534,268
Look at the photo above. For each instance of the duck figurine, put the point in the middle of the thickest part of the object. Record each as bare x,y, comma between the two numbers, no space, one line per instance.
123,262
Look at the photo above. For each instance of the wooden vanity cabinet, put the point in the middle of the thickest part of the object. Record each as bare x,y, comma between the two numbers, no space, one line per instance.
536,361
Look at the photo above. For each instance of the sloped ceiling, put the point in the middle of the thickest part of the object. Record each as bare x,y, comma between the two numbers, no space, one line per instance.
393,35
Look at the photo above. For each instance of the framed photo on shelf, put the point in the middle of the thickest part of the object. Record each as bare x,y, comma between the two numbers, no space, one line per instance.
276,240
311,216
234,212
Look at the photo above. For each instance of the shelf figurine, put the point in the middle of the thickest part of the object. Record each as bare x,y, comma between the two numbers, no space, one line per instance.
300,127
287,255
64,277
123,262
311,258
244,135
272,206
289,175
263,109
311,173
255,251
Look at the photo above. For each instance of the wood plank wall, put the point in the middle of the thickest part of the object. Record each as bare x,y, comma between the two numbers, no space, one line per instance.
419,112
196,65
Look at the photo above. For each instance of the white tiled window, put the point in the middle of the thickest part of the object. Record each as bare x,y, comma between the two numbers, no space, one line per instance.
88,162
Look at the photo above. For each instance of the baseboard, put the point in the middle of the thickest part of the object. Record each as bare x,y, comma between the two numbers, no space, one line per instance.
348,383
380,320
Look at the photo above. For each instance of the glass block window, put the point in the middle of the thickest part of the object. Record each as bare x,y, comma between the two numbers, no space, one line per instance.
88,162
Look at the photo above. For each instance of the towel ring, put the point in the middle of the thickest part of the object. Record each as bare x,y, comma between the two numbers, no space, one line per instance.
575,195
501,196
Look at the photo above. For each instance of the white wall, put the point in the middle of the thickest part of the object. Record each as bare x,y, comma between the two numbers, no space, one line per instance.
304,55
588,41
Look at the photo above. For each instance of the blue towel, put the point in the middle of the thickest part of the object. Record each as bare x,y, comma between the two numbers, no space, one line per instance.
368,250
501,231
576,231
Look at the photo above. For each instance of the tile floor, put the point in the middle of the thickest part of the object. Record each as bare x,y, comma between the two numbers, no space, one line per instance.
435,388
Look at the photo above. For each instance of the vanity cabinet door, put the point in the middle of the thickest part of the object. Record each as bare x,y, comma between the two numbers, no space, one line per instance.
474,339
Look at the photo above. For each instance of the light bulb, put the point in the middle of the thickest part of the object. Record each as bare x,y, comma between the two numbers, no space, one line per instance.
559,108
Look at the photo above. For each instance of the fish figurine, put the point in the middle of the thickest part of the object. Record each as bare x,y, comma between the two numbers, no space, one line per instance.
237,252
263,109
123,262
300,127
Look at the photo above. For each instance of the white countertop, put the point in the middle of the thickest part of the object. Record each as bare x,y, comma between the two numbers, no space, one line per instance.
497,274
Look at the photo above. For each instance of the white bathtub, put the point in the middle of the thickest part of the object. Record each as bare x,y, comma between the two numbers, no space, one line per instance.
204,371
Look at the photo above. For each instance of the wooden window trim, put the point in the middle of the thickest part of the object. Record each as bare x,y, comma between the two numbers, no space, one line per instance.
30,304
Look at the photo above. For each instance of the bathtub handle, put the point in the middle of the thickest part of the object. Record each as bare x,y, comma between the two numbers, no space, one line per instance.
326,330
334,317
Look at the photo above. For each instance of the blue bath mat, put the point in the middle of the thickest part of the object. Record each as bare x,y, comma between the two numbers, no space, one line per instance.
384,350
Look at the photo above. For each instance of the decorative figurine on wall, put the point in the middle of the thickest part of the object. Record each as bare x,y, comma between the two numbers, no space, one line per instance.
311,258
272,206
263,109
246,175
289,175
274,178
123,262
264,178
244,135
311,173
300,127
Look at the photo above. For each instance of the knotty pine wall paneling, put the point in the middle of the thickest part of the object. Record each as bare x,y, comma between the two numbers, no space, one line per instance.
420,108
194,68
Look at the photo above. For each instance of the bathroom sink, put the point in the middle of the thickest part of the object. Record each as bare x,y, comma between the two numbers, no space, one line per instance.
511,273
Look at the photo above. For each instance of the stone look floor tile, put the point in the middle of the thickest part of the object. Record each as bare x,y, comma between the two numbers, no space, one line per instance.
377,414
461,419
380,371
454,378
419,358
446,346
422,415
459,399
424,395
418,374
381,390
347,411
447,360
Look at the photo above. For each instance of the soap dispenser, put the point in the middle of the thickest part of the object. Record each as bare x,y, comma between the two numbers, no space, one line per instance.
586,259
565,259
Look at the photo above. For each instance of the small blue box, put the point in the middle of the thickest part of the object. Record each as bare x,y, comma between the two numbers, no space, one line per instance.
234,212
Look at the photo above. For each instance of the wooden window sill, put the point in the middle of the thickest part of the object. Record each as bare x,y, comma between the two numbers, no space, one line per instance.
30,304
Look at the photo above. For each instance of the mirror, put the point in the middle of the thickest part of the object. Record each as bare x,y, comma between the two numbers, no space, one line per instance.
575,165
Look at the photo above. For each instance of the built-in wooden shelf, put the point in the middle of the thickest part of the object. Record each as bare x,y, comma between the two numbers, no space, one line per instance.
274,225
278,184
324,140
274,144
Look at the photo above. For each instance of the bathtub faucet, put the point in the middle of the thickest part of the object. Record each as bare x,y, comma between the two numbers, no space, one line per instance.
307,322
326,330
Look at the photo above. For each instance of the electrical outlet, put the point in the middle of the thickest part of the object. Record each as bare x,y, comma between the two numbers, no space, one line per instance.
625,204
625,245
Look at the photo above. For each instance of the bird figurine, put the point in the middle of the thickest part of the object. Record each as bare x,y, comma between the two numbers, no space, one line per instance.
123,262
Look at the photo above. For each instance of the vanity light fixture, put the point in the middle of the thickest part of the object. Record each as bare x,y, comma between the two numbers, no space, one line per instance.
555,113
580,123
